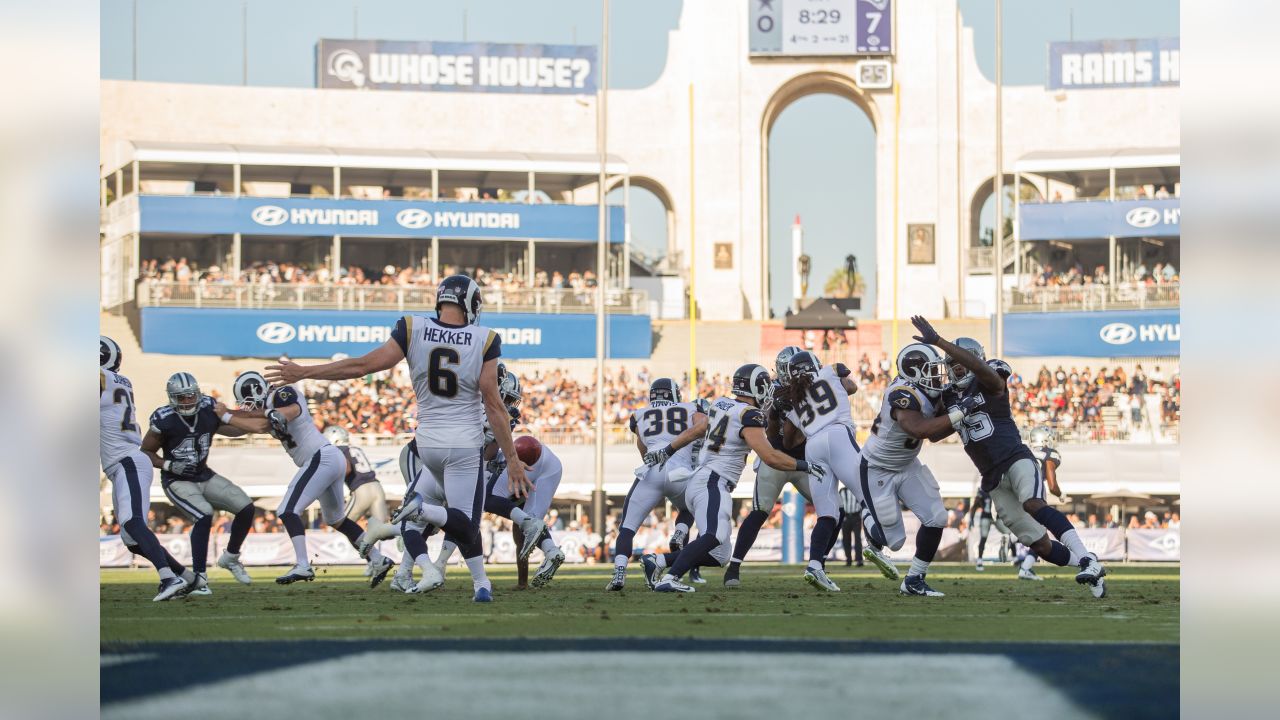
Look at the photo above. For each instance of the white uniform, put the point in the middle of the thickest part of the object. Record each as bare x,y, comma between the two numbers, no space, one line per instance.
826,419
321,466
891,473
445,362
123,461
656,426
724,456
545,476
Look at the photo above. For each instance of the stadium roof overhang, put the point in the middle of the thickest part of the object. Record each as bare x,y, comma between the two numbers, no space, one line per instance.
1092,169
825,314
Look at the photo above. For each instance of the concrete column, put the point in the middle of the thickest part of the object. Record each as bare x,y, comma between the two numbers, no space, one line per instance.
435,247
237,260
532,254
137,184
235,180
337,182
335,256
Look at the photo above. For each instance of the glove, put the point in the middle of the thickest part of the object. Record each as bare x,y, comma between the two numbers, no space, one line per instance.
496,466
658,457
279,427
815,470
781,405
927,334
956,414
181,468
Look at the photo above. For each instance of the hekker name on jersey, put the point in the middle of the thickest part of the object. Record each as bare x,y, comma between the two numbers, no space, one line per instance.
989,433
724,450
889,446
825,402
660,423
359,469
186,439
302,439
445,362
118,431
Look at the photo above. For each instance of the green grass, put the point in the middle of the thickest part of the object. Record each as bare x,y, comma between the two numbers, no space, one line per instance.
1142,606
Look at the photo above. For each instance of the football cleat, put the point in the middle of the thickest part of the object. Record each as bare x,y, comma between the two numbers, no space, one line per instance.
619,580
669,584
1091,574
1028,575
915,585
547,570
379,573
731,575
978,565
368,569
649,562
695,576
407,509
200,586
677,540
887,568
231,563
170,587
483,595
375,533
431,579
532,528
817,577
402,583
298,573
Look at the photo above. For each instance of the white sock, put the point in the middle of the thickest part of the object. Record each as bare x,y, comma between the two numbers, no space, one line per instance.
735,561
446,552
682,528
406,564
189,575
1028,561
918,567
815,565
1072,540
300,549
375,557
435,515
549,548
620,561
478,576
166,573
518,516
668,577
423,560
661,560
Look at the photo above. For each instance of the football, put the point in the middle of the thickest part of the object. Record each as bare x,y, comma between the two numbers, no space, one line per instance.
529,449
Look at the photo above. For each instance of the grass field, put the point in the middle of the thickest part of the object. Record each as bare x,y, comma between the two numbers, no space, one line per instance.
1141,606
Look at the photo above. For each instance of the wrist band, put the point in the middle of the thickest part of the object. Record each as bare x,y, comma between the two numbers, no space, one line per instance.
226,418
802,466
166,465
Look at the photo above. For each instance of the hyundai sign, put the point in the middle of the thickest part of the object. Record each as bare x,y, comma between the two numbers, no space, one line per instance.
1139,333
322,334
374,218
1099,219
456,67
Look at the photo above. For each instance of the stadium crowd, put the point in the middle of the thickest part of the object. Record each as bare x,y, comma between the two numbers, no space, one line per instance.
1141,276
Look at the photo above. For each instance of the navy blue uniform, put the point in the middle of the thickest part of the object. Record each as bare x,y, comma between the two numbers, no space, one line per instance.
773,432
359,471
989,433
186,439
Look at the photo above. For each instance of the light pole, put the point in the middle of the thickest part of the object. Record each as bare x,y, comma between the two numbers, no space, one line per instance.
602,143
998,234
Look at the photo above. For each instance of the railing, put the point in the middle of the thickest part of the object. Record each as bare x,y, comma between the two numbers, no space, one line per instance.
156,293
1127,296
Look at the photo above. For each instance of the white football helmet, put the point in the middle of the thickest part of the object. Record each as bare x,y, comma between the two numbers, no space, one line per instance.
781,364
250,390
1041,436
337,435
109,354
923,367
752,380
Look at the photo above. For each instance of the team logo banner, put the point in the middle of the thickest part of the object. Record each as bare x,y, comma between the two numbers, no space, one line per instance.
1150,62
456,67
1155,217
1138,333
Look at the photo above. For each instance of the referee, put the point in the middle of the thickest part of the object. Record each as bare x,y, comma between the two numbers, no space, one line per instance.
851,527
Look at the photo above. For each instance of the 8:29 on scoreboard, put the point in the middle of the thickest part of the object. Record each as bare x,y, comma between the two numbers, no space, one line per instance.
798,28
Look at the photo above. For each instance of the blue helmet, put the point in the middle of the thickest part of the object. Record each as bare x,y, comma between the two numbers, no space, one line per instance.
664,390
803,363
462,291
753,381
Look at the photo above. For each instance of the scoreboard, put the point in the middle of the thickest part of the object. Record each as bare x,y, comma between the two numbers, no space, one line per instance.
806,28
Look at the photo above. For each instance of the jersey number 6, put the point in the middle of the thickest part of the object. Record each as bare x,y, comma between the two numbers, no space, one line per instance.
442,381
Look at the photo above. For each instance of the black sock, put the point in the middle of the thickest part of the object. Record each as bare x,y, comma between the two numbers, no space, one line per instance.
821,537
685,517
240,527
499,505
148,545
292,524
835,534
747,533
200,544
927,541
349,528
694,554
414,542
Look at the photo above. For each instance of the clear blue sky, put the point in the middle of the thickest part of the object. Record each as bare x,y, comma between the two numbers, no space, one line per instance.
821,150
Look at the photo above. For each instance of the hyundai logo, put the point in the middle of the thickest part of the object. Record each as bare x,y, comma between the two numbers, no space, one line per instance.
347,66
414,218
1118,333
276,333
1142,217
269,215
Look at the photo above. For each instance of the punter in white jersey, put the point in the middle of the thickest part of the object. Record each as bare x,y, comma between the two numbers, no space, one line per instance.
282,412
816,402
735,427
891,474
129,471
656,428
453,363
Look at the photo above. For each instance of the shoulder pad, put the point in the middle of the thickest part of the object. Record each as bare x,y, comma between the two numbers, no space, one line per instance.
1001,367
284,396
752,417
841,370
904,398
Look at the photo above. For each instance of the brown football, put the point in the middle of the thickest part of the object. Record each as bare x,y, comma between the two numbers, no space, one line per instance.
529,449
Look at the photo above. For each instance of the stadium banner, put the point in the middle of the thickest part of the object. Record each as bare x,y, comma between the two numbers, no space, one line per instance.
1148,62
419,66
1155,545
270,333
209,215
1093,220
1106,334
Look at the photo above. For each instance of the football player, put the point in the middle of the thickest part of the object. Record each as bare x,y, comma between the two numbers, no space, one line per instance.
656,427
891,474
1041,440
129,471
283,413
816,402
735,427
178,444
1009,470
769,482
365,496
453,363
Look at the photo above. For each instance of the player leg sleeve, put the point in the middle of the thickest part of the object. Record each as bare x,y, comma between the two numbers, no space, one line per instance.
200,543
623,547
747,533
820,539
240,527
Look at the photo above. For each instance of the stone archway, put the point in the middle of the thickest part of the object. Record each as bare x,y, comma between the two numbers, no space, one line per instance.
660,192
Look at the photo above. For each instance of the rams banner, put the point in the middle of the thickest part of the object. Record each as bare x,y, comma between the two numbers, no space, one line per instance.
456,67
324,333
1151,62
375,218
1138,333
